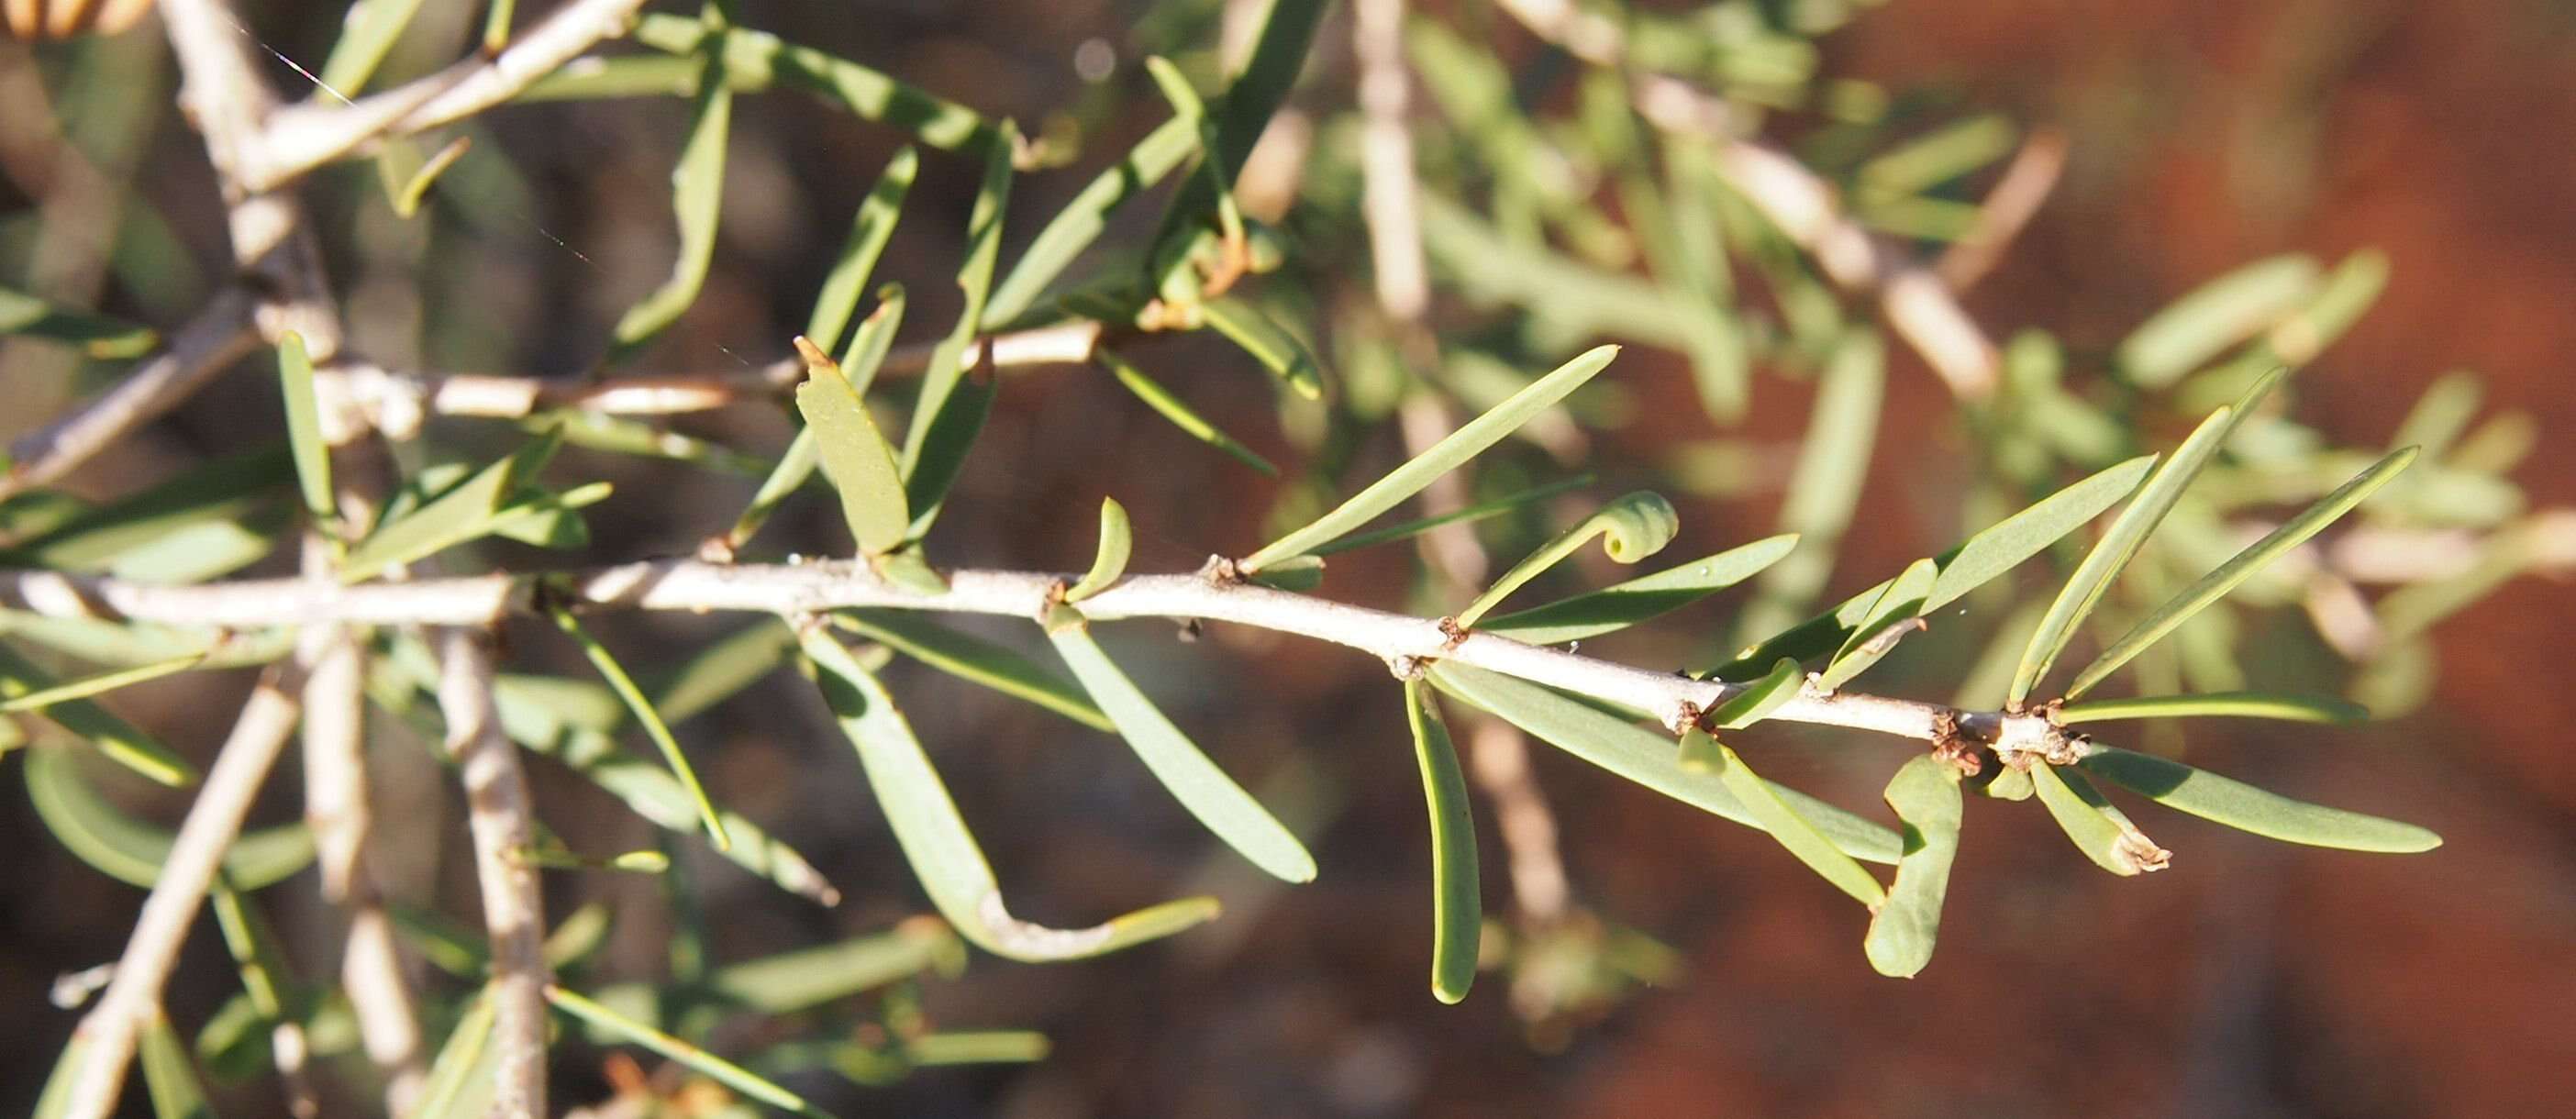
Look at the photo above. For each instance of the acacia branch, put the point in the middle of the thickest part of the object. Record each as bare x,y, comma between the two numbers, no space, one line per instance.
792,589
110,1029
219,335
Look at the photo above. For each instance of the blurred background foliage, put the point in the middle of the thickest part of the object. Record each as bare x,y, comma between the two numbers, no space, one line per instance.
2376,192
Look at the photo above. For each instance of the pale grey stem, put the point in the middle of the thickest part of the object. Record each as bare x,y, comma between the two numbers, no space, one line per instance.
502,396
298,138
208,344
792,589
110,1029
503,825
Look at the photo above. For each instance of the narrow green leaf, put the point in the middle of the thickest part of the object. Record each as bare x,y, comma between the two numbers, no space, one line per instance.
231,491
1109,562
868,234
1218,803
716,1068
1898,611
795,467
1986,555
462,1078
802,979
1645,757
97,335
1269,343
1776,816
2243,705
720,670
407,176
951,409
2246,808
133,644
875,338
465,511
633,697
2093,577
758,60
2102,832
1621,605
943,854
1457,901
304,428
854,456
1482,510
1759,698
1824,490
1279,51
1171,407
1925,794
1187,106
496,25
92,685
697,201
21,682
1082,220
974,660
169,1076
2191,600
1631,528
1946,153
131,851
622,435
367,34
1463,444
2218,314
56,1100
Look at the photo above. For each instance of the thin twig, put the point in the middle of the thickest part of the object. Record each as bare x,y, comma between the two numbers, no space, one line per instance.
214,820
504,828
793,589
298,138
2016,197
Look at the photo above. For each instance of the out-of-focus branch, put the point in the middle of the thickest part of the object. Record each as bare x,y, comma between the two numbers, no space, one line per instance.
219,335
1391,197
1918,304
2016,197
504,829
110,1029
295,139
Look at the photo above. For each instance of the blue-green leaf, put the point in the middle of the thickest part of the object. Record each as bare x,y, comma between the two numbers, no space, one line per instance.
2246,808
950,411
1457,910
854,455
943,854
1621,605
2218,314
1211,796
636,704
1898,611
1110,561
24,683
697,201
2101,831
1925,795
869,231
304,428
714,1067
465,511
975,660
2243,705
1171,407
132,851
1269,343
1775,815
1633,527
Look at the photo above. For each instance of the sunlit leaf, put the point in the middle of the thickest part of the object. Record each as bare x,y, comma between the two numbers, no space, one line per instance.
943,854
1482,510
1269,343
2243,705
1457,911
2128,533
722,669
89,685
714,1067
367,34
1463,444
1081,220
1949,152
697,201
1631,528
407,175
868,234
1212,797
1621,605
1759,698
2218,314
756,60
465,511
1173,408
640,707
1645,757
807,977
119,740
1898,611
1925,795
1842,432
1775,815
975,660
1982,557
854,455
2101,831
2246,808
230,494
463,1078
132,851
2178,609
1110,561
169,1076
